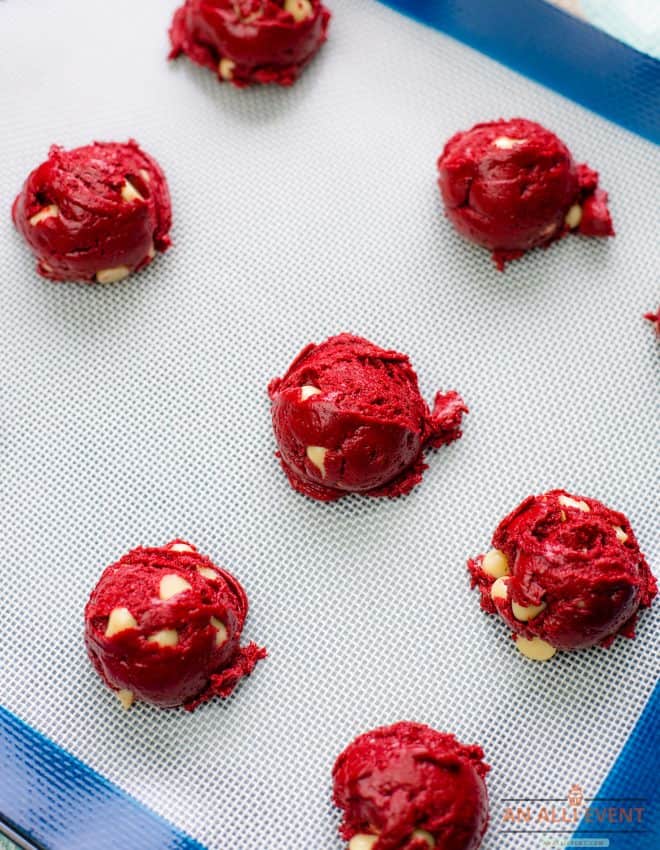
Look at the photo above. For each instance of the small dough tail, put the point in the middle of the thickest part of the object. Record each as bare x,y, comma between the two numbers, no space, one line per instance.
478,578
596,219
446,419
222,684
501,257
655,319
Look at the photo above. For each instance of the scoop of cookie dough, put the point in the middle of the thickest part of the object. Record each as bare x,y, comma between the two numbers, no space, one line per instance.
163,625
95,213
250,41
408,787
513,185
349,418
565,572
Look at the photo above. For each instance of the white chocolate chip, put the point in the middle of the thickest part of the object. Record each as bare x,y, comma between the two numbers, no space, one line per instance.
181,547
573,216
172,585
126,698
524,613
119,620
308,391
113,275
574,503
129,193
499,589
316,454
620,534
536,649
362,841
300,9
165,637
144,174
151,253
422,833
222,633
505,143
226,68
46,212
495,564
207,572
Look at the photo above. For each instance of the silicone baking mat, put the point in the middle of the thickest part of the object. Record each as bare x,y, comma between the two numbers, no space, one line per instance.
137,412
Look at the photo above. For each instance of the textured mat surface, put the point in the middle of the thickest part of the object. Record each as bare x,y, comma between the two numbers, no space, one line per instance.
136,413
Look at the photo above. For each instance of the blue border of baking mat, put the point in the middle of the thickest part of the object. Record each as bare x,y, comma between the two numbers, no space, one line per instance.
632,783
66,804
55,802
556,49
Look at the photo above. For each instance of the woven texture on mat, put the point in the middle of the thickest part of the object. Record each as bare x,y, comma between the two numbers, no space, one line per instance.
135,413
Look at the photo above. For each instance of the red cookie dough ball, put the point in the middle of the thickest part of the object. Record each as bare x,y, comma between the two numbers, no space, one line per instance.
565,572
513,185
163,625
250,41
349,418
95,213
408,787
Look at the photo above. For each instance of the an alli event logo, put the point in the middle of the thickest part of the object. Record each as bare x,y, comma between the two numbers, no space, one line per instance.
575,796
553,820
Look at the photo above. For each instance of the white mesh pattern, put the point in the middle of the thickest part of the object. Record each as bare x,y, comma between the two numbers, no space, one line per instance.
135,413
